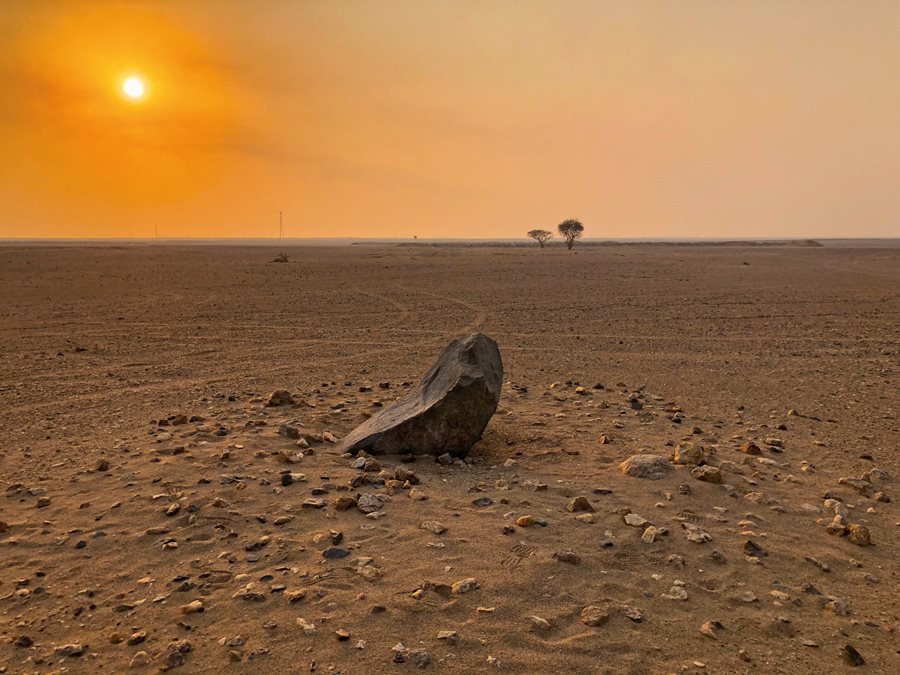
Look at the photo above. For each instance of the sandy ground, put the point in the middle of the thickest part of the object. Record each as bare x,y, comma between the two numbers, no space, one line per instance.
117,516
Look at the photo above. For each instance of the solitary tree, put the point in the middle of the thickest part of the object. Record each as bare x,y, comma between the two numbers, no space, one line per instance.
541,236
571,230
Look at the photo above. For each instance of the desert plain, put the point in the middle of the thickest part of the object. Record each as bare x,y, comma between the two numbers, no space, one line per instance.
157,514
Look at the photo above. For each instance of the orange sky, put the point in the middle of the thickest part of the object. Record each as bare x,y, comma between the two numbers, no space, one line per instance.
453,118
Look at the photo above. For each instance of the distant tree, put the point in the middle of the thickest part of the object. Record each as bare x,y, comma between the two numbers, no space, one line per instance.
541,236
570,230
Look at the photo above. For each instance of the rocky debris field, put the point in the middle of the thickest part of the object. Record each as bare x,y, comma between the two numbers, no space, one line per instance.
613,519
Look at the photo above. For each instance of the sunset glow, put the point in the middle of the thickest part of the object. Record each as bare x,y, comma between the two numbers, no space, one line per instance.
706,119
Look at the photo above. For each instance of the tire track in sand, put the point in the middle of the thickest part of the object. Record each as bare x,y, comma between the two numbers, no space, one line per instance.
479,315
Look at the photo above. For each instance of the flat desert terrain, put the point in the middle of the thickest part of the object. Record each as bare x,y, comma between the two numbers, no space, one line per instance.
157,514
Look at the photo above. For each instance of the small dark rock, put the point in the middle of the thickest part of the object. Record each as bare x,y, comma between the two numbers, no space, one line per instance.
569,557
751,548
334,553
851,656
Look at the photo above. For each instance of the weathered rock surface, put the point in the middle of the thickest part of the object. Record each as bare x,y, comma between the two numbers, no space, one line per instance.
708,474
280,397
594,616
646,466
688,453
580,504
446,412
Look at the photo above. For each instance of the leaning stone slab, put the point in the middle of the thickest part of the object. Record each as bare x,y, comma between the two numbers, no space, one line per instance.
446,412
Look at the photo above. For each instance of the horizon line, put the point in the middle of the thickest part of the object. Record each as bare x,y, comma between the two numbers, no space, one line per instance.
428,239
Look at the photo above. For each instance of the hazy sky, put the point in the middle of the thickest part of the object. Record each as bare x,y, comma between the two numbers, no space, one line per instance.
452,118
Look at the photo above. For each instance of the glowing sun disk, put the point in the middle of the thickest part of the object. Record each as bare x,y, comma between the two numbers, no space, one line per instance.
133,88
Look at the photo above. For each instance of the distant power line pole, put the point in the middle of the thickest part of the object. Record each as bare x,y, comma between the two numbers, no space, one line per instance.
280,225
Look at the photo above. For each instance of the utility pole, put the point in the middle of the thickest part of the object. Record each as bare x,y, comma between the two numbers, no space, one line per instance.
280,226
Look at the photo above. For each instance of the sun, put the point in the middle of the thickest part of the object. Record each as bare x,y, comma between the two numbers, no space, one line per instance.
134,88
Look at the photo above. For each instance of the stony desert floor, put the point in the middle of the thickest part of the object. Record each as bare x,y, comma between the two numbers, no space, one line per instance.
157,514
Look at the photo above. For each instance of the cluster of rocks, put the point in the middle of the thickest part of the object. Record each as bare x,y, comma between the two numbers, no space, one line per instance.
705,466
